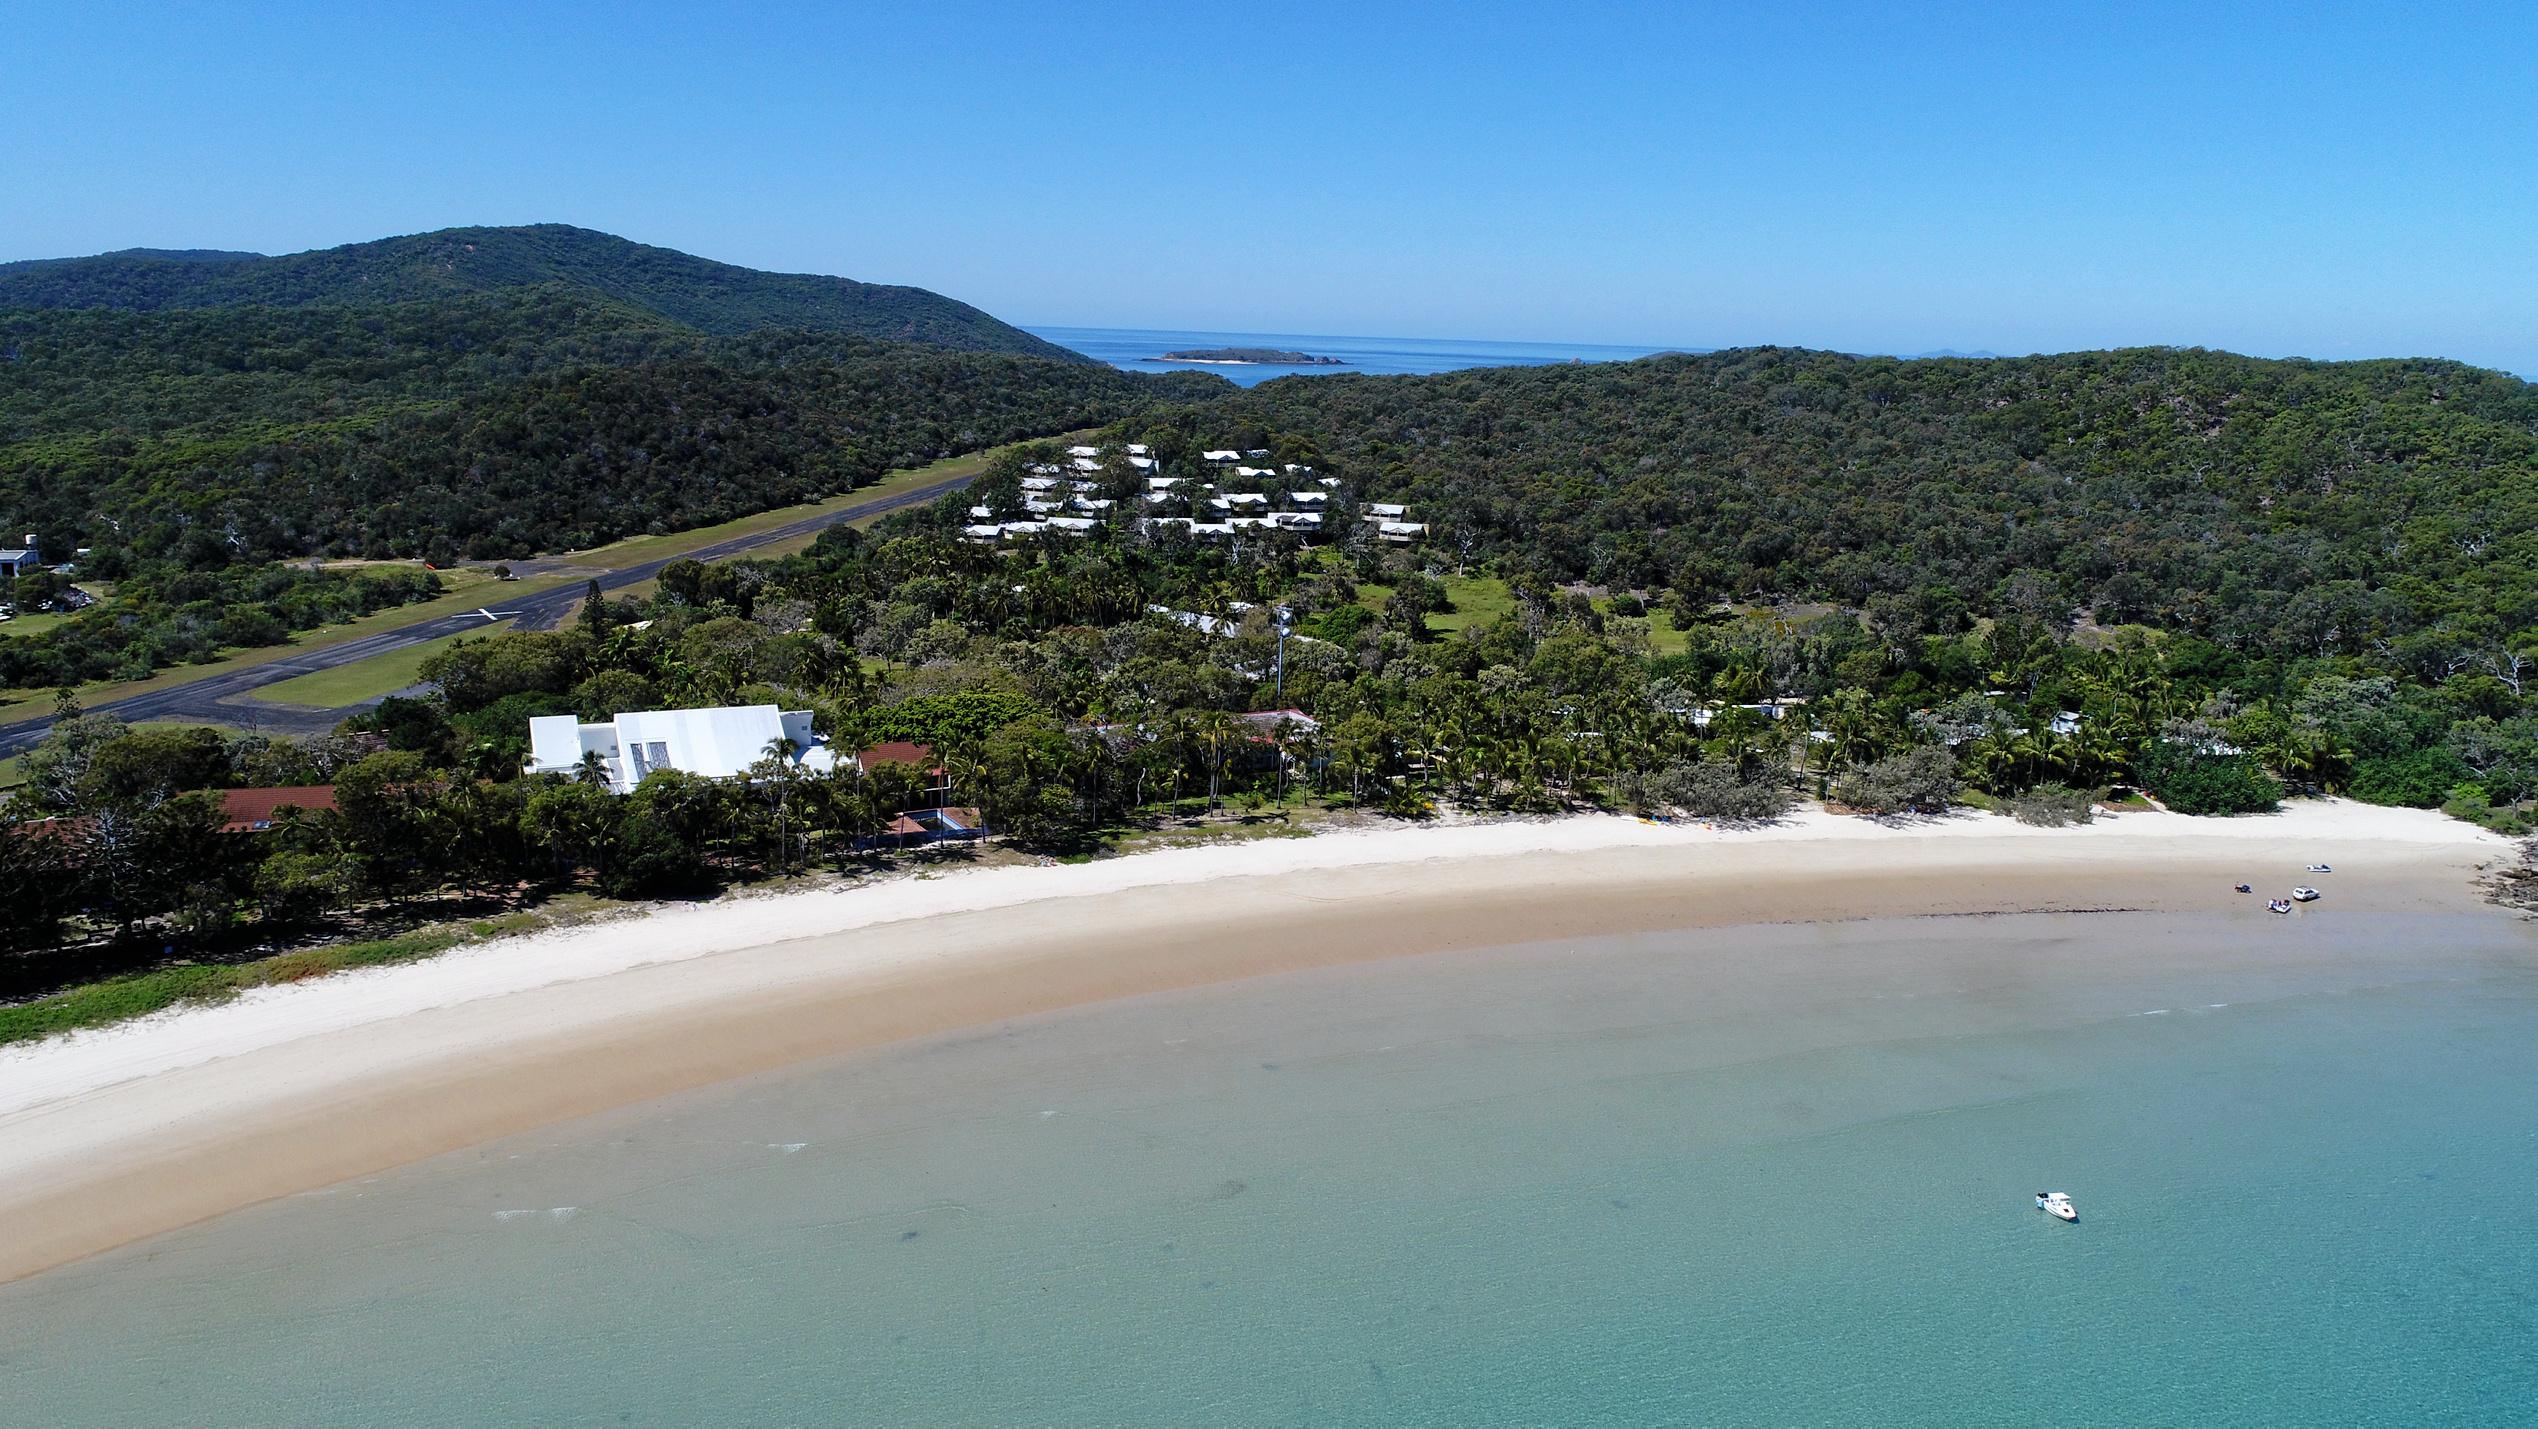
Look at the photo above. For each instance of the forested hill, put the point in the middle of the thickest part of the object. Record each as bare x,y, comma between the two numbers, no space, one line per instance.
2312,506
695,293
490,425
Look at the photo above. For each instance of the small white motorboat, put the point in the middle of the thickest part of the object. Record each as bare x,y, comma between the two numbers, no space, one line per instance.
2057,1204
2304,895
2319,868
2278,905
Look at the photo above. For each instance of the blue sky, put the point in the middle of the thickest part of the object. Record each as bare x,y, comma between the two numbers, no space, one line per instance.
2332,181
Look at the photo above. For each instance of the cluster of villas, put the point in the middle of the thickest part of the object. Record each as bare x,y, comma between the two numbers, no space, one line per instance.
1064,501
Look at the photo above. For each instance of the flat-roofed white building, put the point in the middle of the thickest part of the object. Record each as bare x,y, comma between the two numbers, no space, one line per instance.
721,742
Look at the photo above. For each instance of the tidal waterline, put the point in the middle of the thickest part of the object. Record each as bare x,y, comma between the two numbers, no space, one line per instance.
1750,1174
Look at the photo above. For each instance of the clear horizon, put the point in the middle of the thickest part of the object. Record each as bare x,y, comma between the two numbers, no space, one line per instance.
1981,178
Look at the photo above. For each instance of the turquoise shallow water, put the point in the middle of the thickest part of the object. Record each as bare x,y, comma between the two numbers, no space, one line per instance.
1772,1175
1141,350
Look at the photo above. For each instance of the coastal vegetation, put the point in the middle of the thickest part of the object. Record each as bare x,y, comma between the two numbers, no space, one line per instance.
1694,586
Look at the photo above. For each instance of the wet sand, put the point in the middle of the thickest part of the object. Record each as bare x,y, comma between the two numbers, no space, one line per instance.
109,1139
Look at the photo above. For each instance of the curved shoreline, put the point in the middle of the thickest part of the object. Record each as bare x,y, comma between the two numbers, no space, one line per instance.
107,1138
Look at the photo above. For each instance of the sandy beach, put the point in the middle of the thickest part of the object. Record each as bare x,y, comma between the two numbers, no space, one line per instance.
111,1136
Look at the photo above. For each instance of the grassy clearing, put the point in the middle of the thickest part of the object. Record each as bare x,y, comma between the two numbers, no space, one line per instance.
1477,600
364,679
30,624
120,999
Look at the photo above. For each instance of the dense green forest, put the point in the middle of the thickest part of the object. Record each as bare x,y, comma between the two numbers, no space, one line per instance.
495,425
695,293
2382,508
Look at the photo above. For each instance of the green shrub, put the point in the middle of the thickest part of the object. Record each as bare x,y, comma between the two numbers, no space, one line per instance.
2052,806
2420,780
2191,782
1714,790
1917,781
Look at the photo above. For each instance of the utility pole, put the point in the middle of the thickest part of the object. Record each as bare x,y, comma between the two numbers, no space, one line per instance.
1279,695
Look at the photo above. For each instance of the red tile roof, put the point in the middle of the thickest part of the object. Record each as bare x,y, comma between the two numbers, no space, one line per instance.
898,751
252,809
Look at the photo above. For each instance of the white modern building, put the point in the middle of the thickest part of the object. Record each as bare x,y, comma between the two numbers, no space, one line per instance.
718,743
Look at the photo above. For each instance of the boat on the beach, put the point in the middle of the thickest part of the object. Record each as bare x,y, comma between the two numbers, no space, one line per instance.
2304,895
2277,905
2057,1204
2318,868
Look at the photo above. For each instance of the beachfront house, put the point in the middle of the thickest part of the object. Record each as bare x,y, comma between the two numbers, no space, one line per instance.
718,743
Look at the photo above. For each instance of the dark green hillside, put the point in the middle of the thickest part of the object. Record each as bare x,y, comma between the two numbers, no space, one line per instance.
694,292
139,375
2296,506
530,447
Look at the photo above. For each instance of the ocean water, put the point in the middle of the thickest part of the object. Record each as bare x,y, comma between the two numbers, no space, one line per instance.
1136,349
1776,1175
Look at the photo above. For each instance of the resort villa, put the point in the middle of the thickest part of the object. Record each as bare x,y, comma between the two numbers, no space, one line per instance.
719,743
1060,501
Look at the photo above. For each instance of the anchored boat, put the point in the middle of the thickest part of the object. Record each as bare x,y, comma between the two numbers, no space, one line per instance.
2057,1204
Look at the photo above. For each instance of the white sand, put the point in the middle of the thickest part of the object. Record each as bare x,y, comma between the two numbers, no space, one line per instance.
112,1135
68,1066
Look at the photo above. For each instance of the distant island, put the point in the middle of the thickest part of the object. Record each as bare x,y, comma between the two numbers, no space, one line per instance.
1267,356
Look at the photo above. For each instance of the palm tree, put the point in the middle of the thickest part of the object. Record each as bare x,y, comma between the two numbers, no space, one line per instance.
1218,732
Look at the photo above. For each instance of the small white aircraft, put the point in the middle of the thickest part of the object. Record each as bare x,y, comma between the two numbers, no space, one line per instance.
496,615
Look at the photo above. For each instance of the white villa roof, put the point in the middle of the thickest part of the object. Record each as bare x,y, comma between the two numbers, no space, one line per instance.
1253,471
1039,483
721,742
1142,463
1380,509
1308,498
1083,451
1085,463
1159,483
1138,449
1223,455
